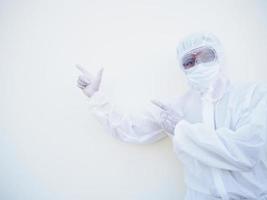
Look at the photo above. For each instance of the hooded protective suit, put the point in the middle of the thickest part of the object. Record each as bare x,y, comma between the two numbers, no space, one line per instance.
221,136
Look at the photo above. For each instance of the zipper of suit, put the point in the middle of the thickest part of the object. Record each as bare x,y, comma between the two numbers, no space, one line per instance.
209,119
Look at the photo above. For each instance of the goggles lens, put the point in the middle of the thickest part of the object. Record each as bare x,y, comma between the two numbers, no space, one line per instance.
197,56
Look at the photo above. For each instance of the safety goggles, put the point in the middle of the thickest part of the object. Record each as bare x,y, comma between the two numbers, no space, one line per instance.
197,56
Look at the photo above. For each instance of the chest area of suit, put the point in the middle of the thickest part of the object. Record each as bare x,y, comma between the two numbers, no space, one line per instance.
196,110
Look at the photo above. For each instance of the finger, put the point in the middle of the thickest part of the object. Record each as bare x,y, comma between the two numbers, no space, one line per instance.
83,70
80,86
163,119
159,104
79,67
82,83
99,74
163,115
84,80
98,78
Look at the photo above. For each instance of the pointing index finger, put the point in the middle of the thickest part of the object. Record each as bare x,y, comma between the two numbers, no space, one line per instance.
79,67
84,71
159,104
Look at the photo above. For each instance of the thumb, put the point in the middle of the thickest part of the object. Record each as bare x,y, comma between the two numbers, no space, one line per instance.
98,78
100,73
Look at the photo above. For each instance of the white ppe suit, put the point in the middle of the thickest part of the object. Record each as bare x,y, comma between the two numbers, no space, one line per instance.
221,139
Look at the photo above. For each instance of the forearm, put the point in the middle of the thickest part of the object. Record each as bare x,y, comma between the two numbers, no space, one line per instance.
141,129
221,148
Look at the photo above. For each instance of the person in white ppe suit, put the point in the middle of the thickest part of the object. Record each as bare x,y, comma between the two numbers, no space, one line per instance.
218,129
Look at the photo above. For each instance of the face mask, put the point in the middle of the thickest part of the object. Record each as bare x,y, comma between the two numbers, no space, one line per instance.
201,76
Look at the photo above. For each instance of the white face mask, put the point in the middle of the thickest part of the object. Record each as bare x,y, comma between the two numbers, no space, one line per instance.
201,76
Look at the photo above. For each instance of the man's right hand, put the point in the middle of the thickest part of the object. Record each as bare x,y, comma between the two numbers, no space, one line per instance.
168,117
88,83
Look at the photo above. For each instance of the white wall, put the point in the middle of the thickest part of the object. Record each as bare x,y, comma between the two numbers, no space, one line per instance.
50,146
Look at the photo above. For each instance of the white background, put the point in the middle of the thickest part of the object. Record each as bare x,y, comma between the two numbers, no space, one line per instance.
50,145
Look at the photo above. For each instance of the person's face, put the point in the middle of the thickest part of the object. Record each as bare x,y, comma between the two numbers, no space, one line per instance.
197,56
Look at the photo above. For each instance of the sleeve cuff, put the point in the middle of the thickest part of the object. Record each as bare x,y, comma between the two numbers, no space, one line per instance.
98,99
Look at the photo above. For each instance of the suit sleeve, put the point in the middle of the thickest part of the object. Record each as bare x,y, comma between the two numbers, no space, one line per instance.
224,148
136,129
